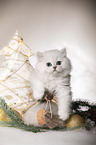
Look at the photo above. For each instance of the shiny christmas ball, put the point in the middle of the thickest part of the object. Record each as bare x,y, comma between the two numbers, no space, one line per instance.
74,121
41,116
2,115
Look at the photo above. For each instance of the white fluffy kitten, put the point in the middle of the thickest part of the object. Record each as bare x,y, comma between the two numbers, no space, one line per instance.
52,73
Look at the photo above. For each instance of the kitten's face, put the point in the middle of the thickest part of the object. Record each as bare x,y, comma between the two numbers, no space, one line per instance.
53,61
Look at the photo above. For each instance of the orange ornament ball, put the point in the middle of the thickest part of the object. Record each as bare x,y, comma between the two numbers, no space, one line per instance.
41,116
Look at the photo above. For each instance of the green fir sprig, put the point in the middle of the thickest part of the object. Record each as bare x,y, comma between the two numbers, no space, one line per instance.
15,120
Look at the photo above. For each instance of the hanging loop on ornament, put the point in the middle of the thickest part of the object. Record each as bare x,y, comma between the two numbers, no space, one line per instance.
46,106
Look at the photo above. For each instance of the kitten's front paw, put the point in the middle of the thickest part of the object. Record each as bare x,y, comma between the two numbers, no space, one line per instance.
63,115
38,95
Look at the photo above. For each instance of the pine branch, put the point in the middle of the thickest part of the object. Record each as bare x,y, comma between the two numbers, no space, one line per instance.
16,121
6,123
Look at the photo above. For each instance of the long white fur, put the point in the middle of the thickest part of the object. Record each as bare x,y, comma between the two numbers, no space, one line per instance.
45,77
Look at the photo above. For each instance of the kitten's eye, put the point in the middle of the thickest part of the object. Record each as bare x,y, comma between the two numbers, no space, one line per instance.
48,64
58,63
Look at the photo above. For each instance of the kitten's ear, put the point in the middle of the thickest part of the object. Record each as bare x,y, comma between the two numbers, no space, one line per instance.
39,55
63,51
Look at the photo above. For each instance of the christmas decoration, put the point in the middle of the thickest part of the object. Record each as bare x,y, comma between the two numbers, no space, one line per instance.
85,110
15,120
92,114
20,116
46,105
47,117
74,121
52,121
41,116
15,73
49,97
2,115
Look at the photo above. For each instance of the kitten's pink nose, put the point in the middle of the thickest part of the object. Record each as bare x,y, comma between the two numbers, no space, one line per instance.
54,67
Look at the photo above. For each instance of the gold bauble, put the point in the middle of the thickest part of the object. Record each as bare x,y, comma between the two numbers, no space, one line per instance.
41,116
2,115
74,121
